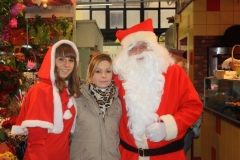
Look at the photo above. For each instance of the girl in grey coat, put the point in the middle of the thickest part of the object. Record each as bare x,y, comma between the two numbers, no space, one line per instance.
98,114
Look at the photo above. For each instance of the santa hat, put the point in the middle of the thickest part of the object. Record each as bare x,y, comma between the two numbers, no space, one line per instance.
140,32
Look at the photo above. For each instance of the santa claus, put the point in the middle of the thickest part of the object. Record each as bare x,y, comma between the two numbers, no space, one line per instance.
159,101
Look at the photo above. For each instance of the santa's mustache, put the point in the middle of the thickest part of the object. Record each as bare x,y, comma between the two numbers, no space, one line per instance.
141,55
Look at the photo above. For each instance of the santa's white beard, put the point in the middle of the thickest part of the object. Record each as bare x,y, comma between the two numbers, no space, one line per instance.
143,83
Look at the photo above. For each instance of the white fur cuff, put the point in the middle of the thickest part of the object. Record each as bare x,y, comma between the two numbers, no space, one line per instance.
171,126
18,130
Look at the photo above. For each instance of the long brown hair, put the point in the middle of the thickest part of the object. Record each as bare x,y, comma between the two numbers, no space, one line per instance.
66,50
95,59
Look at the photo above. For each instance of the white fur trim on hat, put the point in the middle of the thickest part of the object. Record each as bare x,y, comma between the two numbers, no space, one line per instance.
138,36
171,126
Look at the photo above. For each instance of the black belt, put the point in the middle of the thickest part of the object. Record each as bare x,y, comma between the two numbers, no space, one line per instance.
172,147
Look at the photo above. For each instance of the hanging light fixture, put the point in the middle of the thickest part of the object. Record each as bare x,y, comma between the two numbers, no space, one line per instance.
39,2
45,3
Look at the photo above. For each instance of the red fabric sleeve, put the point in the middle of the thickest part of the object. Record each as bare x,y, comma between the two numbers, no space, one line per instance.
39,104
36,146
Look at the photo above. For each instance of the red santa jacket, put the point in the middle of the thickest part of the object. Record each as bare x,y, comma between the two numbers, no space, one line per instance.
180,107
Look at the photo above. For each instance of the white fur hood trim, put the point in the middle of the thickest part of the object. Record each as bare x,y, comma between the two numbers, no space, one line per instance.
58,115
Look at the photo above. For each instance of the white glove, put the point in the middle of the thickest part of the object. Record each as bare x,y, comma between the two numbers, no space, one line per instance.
156,132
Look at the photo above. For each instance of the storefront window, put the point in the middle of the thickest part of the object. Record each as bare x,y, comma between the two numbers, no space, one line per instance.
116,19
100,18
133,17
164,13
152,14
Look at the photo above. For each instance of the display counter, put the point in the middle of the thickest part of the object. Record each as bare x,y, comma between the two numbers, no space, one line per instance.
222,98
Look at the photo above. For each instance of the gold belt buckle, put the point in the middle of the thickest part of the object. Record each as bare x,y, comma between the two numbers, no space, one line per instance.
140,149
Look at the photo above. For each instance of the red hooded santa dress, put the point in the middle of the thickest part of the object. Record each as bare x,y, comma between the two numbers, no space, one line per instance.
47,116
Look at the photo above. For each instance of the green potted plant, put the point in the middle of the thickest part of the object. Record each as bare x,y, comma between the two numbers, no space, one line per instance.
63,27
39,31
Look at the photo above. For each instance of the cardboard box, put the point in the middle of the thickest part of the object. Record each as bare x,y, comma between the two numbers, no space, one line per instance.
223,74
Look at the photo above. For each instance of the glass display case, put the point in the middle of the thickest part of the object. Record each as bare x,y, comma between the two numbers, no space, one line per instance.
222,97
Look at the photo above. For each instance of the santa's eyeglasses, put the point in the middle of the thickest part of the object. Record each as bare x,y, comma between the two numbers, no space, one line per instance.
138,48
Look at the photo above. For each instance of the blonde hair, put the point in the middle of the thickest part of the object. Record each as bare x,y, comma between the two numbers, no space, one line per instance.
95,59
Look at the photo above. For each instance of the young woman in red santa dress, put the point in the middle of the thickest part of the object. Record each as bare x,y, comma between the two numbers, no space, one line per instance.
49,110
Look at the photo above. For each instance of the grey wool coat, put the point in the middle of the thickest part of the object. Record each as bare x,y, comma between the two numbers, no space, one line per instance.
95,138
